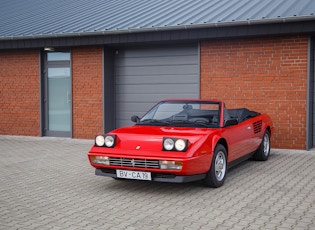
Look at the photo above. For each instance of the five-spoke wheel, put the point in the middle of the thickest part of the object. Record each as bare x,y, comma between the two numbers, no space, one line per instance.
216,175
263,152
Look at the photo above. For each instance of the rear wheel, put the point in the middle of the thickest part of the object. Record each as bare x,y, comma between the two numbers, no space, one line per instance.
216,175
263,152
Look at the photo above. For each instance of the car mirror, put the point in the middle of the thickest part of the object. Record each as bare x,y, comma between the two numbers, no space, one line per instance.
135,118
230,122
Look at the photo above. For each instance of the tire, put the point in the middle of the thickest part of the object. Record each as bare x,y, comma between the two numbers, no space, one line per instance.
116,178
263,152
216,175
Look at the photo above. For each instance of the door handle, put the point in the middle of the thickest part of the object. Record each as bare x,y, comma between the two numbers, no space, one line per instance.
68,97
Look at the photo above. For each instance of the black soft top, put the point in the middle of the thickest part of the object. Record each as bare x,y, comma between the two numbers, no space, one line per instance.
241,114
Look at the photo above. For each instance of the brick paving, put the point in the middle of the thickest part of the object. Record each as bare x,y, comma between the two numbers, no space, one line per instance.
47,183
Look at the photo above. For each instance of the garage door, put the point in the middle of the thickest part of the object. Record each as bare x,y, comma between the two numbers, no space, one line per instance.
143,76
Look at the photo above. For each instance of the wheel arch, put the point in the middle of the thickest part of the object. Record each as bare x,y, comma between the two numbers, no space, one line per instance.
223,142
269,130
215,177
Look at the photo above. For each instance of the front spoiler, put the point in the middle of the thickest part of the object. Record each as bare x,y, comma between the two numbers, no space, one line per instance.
160,177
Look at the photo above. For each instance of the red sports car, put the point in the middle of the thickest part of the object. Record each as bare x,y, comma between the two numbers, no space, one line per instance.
181,141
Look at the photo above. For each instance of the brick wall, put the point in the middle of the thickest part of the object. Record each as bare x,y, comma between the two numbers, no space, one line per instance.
87,91
268,75
19,93
20,90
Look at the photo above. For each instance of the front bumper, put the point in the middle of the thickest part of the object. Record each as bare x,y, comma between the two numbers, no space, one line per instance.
160,177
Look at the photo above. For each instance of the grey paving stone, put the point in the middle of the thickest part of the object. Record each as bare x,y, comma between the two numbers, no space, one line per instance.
47,183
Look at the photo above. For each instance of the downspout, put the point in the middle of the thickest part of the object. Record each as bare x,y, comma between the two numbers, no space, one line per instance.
310,94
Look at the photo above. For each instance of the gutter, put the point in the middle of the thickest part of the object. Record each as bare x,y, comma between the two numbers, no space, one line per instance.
218,24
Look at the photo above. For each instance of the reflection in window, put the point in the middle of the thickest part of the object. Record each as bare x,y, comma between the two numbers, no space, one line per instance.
58,56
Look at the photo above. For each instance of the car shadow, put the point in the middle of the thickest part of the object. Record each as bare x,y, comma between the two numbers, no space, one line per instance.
138,186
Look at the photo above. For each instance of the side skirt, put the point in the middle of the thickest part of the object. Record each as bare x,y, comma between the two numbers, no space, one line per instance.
241,159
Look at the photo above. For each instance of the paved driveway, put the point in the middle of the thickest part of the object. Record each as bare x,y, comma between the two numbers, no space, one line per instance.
47,183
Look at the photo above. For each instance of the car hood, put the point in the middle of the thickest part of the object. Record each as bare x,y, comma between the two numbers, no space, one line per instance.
147,140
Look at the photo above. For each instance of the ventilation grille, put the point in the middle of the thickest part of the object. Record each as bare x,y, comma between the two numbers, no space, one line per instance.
140,163
257,126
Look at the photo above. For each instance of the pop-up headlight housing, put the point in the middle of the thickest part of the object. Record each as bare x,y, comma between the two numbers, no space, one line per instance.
175,144
108,141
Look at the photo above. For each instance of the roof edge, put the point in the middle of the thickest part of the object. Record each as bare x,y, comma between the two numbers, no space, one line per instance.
247,22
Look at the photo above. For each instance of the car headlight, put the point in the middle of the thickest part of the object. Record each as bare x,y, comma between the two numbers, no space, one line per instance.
105,140
100,160
174,144
109,141
180,144
171,165
168,144
99,140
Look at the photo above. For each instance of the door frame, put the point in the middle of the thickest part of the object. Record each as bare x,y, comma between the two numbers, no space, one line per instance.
44,94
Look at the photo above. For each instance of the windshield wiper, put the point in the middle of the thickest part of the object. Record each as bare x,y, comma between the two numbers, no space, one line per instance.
199,123
151,121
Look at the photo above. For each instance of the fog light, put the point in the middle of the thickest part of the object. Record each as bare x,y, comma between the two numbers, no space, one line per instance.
171,165
99,160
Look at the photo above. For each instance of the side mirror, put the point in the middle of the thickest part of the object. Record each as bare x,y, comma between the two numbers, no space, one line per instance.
230,122
135,118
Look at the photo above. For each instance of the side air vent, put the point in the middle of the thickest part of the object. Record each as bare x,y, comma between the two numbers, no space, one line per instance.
257,126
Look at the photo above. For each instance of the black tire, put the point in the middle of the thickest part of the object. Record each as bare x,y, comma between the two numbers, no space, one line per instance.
263,152
216,175
116,178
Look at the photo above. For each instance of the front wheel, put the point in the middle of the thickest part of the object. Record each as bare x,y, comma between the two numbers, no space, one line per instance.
263,152
216,175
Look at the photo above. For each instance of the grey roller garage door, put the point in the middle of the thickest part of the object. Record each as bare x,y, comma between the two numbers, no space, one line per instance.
146,75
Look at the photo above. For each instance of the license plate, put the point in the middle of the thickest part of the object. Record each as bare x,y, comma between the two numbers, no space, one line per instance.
136,175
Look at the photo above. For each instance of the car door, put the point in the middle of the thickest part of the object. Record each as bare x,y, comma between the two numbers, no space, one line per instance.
239,138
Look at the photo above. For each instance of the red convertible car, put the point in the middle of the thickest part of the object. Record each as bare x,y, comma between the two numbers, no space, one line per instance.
181,141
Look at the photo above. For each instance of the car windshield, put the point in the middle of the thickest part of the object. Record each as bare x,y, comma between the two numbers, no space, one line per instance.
183,114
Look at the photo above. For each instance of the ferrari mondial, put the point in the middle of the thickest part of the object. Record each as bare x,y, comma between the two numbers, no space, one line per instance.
181,141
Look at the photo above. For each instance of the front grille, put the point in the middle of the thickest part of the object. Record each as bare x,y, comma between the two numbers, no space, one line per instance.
257,126
134,163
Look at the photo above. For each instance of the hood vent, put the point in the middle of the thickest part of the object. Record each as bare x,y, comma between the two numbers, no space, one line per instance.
257,126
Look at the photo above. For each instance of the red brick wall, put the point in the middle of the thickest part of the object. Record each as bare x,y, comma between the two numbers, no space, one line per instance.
87,91
268,75
19,93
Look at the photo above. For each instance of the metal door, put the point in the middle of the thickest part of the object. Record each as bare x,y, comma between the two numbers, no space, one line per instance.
145,75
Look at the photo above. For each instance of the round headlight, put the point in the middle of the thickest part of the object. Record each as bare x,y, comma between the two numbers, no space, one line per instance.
180,145
168,144
99,140
109,141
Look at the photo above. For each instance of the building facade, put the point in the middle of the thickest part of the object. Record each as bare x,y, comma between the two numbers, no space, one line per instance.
78,86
